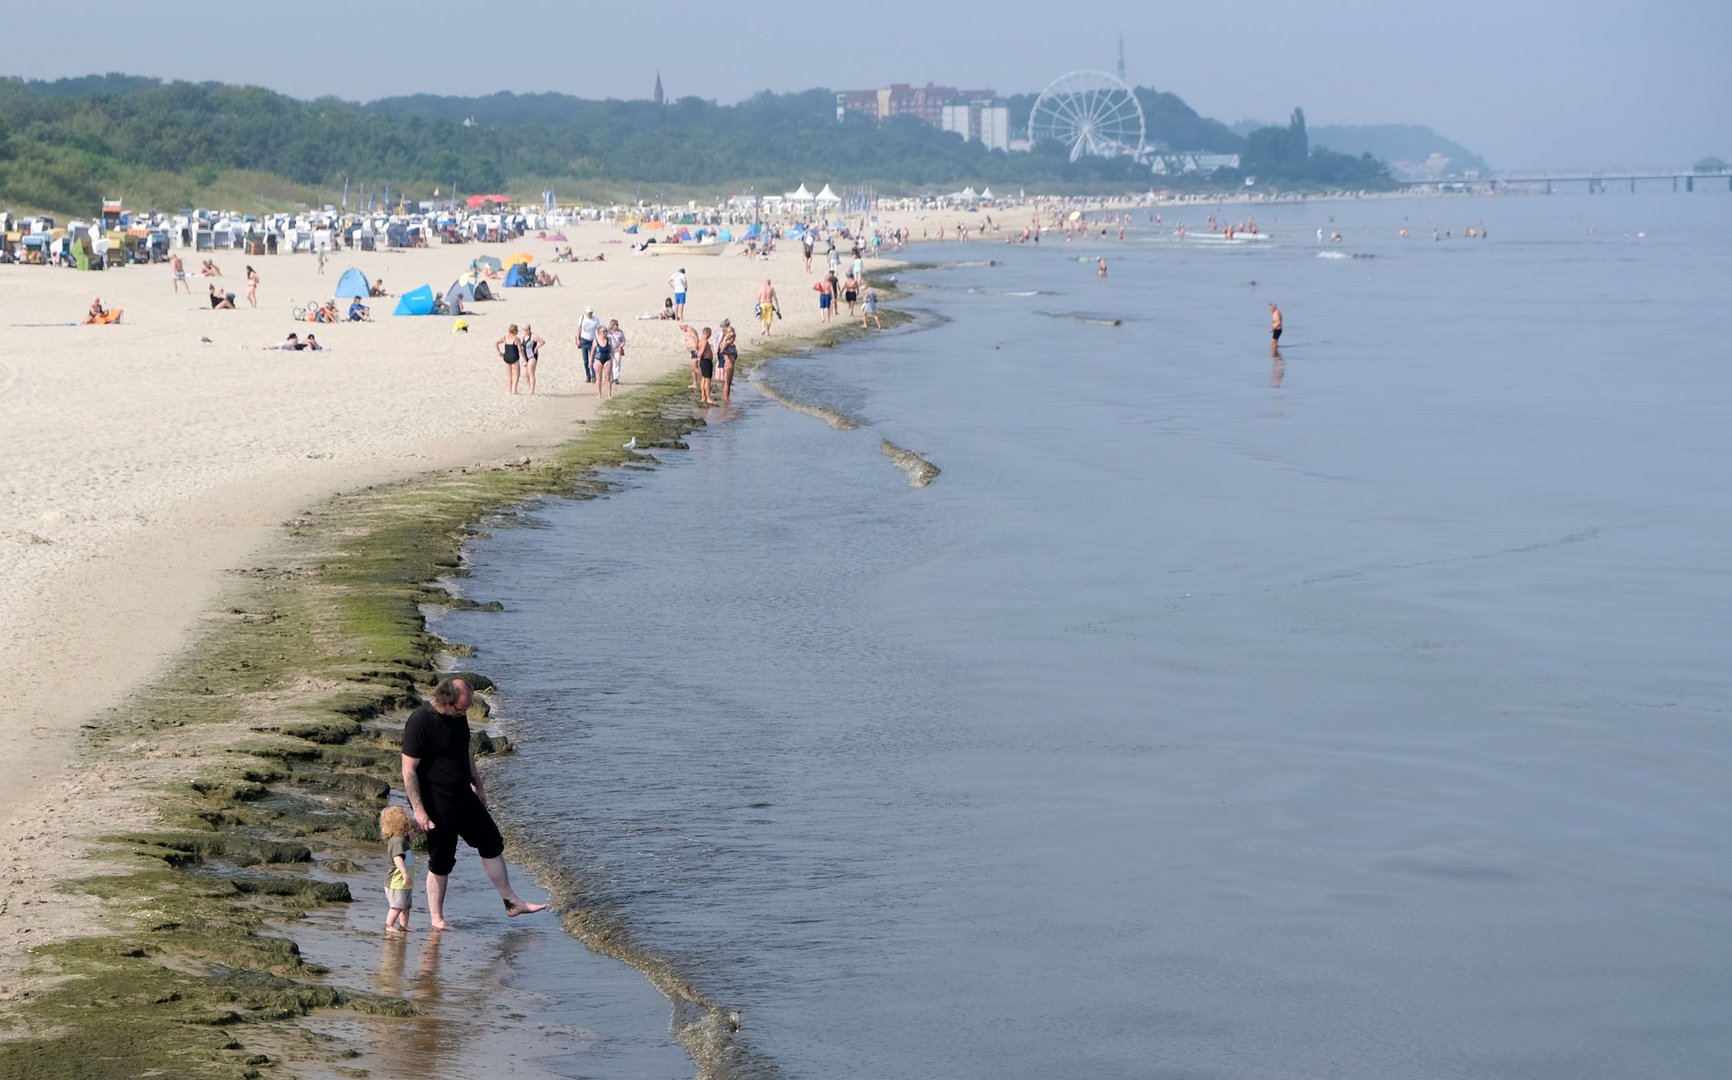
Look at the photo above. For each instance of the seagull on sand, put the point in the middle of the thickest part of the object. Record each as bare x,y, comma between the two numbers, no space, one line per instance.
632,445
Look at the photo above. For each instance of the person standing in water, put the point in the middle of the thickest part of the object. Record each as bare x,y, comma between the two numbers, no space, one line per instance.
449,800
706,369
726,355
1274,330
1103,267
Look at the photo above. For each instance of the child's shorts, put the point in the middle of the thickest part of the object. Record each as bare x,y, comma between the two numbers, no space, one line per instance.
399,899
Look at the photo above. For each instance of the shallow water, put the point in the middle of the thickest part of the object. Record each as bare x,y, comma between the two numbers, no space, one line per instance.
1369,724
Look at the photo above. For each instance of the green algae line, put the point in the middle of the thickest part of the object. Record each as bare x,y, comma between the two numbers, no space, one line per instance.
920,471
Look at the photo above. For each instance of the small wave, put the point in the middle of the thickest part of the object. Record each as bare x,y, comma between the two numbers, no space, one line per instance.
1092,320
920,471
1332,254
836,418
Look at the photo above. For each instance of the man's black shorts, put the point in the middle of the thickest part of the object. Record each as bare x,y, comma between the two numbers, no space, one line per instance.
1275,333
464,819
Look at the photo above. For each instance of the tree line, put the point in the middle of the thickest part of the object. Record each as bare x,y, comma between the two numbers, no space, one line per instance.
66,144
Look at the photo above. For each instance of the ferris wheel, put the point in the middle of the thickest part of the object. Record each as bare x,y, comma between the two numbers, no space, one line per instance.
1090,112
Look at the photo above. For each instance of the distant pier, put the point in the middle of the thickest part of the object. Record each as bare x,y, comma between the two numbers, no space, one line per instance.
1595,180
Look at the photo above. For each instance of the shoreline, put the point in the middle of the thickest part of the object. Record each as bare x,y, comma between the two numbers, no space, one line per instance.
179,759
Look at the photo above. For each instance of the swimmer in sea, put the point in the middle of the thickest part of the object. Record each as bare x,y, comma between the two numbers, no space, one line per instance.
1274,330
1103,268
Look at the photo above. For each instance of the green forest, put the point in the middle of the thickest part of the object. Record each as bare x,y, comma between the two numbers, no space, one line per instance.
66,144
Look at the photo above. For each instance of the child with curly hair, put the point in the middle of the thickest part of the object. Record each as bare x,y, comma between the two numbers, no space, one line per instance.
397,827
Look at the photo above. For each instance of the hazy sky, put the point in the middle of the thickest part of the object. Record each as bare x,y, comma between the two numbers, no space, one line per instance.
1523,82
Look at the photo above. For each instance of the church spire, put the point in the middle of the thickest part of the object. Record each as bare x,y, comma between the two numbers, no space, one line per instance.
659,98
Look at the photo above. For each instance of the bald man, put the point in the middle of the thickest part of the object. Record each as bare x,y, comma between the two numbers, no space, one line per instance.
450,803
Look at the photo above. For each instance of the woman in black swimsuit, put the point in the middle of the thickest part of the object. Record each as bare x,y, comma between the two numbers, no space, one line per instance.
509,349
601,356
532,344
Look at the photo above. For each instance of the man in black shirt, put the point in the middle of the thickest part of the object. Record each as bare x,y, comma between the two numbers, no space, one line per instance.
445,790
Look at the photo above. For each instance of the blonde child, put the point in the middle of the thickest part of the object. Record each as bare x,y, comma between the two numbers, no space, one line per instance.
397,827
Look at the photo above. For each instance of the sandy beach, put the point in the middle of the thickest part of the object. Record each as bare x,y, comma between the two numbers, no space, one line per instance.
147,461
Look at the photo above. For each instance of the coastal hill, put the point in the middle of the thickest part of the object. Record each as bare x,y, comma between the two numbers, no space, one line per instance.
67,144
1404,147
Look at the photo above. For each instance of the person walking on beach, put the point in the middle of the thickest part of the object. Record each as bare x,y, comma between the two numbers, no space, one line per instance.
677,282
510,349
532,344
603,360
616,340
586,331
1274,330
869,310
448,799
768,308
823,288
806,249
252,287
179,269
725,357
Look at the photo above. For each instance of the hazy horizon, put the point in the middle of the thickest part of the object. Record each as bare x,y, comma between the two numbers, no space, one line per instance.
1538,84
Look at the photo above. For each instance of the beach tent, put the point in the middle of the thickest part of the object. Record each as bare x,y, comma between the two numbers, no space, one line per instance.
519,275
753,232
683,234
456,296
800,196
352,283
489,261
986,193
724,235
828,196
632,228
415,302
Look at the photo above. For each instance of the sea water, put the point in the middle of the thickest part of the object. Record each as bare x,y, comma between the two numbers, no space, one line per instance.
1363,715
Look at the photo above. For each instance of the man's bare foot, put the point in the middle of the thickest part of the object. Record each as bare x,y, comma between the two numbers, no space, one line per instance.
440,924
514,908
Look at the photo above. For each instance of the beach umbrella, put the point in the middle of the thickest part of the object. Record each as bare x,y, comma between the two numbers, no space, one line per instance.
520,257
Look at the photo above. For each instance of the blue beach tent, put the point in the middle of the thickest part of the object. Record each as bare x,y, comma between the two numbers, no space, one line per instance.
519,275
352,283
415,302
